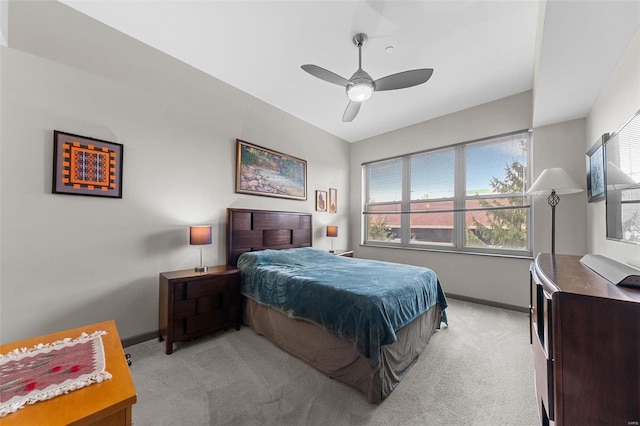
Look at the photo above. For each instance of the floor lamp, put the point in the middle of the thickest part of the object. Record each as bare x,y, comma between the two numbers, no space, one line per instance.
554,182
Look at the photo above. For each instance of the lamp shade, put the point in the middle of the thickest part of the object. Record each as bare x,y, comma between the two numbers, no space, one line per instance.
332,231
617,179
199,235
554,179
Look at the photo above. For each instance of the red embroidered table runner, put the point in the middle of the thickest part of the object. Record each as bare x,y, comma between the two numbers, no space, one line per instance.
50,369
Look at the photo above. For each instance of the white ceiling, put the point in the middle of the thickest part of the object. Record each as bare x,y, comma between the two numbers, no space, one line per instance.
480,51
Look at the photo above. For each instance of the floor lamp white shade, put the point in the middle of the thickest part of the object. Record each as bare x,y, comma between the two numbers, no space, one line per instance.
552,183
617,179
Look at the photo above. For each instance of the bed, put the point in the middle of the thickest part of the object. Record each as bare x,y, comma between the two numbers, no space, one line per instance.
368,321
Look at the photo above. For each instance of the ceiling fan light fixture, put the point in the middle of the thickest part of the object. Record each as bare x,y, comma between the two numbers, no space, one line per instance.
361,86
360,92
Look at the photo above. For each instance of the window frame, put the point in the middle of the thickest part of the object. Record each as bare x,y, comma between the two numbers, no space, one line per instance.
459,202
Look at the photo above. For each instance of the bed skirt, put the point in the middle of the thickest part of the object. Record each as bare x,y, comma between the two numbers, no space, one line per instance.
337,357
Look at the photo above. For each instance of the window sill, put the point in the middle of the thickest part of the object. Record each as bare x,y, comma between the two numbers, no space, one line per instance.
528,256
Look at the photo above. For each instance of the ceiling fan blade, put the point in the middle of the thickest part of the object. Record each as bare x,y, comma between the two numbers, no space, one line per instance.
325,75
351,111
403,79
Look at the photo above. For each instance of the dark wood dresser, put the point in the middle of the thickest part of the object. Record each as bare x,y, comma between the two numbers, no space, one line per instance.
585,333
196,303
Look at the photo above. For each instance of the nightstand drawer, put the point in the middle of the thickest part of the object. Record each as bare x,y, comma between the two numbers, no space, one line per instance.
179,329
179,292
209,303
184,308
206,287
205,322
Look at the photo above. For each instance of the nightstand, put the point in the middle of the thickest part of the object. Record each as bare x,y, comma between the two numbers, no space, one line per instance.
343,253
193,304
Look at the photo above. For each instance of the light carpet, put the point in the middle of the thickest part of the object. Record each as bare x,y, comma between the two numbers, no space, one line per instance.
476,371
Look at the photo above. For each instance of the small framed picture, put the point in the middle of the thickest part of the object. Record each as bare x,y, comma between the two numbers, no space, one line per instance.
333,200
321,201
86,166
595,170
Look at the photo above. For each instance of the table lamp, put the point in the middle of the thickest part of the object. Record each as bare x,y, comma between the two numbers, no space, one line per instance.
332,231
199,236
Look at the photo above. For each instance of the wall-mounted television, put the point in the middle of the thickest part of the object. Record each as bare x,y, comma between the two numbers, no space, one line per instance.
622,181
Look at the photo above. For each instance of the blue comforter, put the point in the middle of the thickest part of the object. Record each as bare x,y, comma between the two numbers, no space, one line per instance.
363,301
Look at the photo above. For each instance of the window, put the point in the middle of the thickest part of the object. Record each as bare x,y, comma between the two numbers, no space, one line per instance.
467,197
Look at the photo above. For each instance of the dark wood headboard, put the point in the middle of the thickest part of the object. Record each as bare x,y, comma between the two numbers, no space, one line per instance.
250,230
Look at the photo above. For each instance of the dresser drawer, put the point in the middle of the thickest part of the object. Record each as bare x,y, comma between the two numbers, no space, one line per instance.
544,377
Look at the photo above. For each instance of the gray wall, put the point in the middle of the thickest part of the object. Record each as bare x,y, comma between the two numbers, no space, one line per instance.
69,260
561,145
619,100
502,280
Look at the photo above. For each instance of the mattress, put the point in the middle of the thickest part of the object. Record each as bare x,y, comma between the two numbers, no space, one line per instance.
360,321
360,300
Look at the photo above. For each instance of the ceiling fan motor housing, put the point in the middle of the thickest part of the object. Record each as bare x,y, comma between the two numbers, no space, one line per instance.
360,39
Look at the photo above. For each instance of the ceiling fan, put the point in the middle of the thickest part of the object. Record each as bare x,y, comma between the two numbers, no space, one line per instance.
361,86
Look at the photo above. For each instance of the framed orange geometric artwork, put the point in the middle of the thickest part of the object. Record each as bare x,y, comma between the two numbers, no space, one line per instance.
86,166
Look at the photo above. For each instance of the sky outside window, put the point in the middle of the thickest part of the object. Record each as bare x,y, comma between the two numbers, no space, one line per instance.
488,160
385,181
433,173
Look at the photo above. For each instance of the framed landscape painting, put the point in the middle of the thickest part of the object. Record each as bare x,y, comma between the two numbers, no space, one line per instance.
86,166
595,170
261,171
